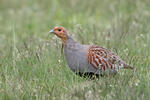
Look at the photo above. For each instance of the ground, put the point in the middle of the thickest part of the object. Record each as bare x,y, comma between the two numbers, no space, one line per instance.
33,67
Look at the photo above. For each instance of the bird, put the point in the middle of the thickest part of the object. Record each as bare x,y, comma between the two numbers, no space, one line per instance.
88,59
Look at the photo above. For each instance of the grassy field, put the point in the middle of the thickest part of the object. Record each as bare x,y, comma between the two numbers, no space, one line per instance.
32,66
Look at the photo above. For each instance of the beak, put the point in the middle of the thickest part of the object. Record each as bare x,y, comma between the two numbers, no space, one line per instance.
51,31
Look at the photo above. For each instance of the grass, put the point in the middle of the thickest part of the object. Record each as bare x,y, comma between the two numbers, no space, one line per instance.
31,64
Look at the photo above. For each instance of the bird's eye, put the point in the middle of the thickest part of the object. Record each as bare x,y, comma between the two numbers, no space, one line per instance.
59,29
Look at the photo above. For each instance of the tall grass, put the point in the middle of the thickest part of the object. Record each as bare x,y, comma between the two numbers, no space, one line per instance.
31,63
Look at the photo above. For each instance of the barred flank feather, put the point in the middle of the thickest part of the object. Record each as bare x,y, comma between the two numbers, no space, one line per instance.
101,58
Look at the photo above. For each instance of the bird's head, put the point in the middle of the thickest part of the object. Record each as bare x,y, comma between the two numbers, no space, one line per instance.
61,32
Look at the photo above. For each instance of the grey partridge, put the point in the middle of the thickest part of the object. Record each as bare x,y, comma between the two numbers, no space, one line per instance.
88,58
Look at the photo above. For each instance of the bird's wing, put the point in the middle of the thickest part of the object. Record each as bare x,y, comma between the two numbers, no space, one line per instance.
101,58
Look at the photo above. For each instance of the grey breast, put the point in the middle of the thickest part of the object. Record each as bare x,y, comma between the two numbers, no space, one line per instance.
76,55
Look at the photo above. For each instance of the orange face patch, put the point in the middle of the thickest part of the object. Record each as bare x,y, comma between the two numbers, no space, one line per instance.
61,33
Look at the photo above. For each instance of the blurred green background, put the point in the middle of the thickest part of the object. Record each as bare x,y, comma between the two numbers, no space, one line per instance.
31,63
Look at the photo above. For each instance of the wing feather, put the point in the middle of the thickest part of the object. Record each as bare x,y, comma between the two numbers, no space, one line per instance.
101,58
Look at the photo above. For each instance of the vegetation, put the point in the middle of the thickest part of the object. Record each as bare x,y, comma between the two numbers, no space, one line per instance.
31,63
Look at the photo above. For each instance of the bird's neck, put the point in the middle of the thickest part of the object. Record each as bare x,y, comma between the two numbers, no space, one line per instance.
71,43
64,42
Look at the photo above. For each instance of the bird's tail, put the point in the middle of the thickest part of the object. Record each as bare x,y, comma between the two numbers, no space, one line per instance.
127,66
